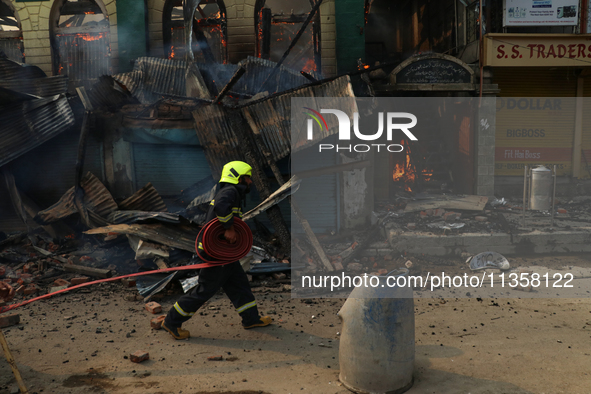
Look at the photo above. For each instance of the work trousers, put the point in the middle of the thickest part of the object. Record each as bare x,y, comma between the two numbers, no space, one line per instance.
230,277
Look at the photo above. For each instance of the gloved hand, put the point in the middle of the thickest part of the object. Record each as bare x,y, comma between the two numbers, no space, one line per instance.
230,235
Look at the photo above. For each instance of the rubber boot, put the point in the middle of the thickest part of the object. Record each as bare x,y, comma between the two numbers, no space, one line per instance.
262,322
176,332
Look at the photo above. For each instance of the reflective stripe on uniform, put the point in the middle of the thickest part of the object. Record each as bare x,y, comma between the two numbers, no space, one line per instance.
224,219
246,306
212,202
200,246
237,211
181,311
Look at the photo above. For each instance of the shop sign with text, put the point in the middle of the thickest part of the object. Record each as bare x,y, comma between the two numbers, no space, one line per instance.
537,50
541,12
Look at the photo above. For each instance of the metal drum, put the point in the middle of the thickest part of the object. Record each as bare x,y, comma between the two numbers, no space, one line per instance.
377,346
541,189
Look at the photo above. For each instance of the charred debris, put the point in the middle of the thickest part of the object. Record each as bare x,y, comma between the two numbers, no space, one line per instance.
99,227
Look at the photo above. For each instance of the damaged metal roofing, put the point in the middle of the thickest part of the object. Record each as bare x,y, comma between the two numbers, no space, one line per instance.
127,217
28,124
29,79
271,117
96,199
42,87
108,93
10,69
173,235
145,199
153,77
259,70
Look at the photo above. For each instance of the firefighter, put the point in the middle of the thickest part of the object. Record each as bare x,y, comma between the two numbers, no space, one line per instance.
234,185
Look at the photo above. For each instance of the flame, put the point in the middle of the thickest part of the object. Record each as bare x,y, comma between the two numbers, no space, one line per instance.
309,66
91,37
363,66
172,53
89,12
405,172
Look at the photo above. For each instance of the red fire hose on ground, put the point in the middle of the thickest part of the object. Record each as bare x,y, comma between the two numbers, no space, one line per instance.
211,237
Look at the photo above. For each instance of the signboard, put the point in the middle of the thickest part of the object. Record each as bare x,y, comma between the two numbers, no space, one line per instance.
532,131
537,50
541,12
434,71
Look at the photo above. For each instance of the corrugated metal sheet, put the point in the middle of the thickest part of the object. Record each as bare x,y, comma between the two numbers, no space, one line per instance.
29,124
43,87
128,217
12,70
132,81
108,93
258,71
145,199
13,48
271,116
174,235
84,58
96,198
153,77
163,75
170,168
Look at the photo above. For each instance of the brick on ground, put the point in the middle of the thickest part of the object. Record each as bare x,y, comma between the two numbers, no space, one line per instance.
31,289
139,356
439,212
79,280
61,282
9,320
156,323
153,307
128,282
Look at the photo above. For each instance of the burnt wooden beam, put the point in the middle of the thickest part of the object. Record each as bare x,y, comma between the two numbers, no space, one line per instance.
312,237
237,75
79,269
78,191
266,32
308,76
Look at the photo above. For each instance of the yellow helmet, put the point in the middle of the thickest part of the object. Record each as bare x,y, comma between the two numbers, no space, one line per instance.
234,170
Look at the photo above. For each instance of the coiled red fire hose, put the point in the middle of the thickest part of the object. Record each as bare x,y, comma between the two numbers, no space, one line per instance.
214,245
220,251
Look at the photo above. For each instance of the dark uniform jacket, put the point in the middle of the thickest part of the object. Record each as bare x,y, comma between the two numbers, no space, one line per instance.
227,204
